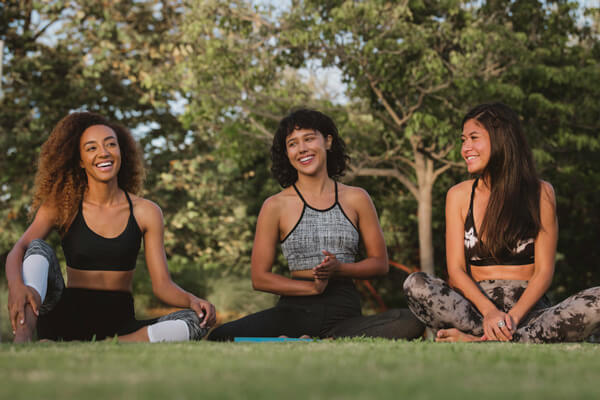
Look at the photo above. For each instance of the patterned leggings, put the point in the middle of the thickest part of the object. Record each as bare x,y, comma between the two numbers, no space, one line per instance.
439,306
83,314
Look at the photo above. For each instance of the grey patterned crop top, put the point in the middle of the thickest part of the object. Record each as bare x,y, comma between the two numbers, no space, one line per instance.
317,230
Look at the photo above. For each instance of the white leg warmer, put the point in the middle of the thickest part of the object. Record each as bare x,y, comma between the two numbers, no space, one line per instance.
35,273
169,331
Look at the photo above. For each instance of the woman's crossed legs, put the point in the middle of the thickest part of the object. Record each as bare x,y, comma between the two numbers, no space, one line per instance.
442,308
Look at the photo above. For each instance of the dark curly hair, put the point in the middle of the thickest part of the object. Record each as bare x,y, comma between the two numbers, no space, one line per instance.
304,118
61,182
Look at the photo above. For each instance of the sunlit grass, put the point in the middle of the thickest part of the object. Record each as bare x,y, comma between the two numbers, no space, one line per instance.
327,369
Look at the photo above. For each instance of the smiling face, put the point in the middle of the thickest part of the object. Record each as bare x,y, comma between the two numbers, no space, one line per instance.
100,153
476,147
307,150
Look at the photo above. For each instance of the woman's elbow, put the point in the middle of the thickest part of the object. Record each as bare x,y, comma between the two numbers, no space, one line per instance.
159,288
384,269
258,282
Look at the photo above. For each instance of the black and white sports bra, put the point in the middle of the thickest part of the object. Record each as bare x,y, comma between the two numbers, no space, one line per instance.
522,254
318,230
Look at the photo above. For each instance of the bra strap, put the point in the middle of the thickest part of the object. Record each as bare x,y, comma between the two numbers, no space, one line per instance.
336,191
129,201
299,194
472,197
468,264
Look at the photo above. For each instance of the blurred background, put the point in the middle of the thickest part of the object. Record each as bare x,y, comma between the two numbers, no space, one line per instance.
203,84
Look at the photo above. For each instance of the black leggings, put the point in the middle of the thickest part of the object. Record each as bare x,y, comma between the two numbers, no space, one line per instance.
86,314
334,313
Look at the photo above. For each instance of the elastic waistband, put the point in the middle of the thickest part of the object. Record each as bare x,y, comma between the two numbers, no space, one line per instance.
332,280
97,292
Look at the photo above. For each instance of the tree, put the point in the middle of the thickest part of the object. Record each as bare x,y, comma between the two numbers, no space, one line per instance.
415,70
61,56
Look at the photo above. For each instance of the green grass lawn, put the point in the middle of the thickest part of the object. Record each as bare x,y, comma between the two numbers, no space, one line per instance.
329,369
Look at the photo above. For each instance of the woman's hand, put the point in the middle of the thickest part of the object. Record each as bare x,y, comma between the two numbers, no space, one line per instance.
18,298
205,310
320,285
498,325
328,267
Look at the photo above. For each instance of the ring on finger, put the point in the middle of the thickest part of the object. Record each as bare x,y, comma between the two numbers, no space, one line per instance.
501,324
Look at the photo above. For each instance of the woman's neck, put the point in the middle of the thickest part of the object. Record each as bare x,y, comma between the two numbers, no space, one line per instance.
484,183
102,193
314,185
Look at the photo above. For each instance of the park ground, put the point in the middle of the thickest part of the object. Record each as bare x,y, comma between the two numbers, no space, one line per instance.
342,369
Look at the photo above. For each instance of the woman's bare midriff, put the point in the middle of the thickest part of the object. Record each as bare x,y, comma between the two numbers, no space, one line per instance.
305,274
502,272
100,280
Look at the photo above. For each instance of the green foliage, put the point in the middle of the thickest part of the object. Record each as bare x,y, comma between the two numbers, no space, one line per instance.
208,226
204,83
94,59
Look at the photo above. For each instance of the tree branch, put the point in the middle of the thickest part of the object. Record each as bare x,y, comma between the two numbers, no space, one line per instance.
387,172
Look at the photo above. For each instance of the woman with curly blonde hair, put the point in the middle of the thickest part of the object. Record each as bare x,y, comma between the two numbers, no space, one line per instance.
89,173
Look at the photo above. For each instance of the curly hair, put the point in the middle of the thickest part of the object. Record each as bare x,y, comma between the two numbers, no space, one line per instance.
513,210
304,118
61,182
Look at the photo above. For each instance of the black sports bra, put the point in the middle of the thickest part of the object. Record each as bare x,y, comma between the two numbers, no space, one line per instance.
86,250
522,254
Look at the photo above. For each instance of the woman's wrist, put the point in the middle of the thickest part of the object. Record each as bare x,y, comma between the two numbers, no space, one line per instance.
516,316
487,308
191,299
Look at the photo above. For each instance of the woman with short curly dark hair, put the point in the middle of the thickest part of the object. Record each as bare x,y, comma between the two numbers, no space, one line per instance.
337,158
89,173
318,222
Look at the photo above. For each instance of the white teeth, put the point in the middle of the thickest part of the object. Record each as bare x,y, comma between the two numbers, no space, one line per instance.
306,158
104,164
471,157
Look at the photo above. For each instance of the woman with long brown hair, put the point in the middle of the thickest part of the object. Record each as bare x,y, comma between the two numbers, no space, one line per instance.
501,234
88,175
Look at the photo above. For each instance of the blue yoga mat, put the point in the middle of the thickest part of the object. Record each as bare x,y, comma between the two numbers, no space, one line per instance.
270,339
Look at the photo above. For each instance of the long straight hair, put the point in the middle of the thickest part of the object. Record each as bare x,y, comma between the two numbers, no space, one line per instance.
513,210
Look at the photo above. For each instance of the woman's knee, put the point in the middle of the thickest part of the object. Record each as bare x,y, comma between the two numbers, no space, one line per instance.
196,332
41,248
417,284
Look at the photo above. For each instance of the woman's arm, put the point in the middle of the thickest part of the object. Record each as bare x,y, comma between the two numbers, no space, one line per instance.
376,262
263,256
545,251
151,221
455,260
20,295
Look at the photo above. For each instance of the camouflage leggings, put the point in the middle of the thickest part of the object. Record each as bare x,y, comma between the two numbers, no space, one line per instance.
439,306
54,304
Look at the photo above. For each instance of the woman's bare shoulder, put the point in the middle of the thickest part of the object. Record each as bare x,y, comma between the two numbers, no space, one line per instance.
461,188
353,193
279,201
459,194
146,211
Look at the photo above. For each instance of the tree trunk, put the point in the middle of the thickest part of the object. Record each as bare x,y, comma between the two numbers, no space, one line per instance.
425,230
1,61
425,178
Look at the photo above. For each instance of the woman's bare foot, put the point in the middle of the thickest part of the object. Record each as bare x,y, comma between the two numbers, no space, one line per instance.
454,335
